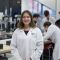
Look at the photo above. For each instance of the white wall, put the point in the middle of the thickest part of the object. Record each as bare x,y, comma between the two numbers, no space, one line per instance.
53,4
49,3
58,9
26,5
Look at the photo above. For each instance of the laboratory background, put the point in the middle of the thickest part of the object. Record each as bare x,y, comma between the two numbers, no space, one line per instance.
46,17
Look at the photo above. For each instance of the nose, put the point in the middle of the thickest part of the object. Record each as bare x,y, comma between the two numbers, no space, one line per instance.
26,18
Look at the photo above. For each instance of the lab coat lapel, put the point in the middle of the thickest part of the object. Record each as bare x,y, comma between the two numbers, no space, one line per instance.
28,37
28,34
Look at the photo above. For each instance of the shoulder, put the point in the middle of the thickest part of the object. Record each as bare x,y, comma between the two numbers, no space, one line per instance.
38,32
37,29
44,19
17,31
52,27
52,18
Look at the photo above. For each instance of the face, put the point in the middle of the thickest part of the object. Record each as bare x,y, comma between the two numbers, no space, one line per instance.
46,28
26,19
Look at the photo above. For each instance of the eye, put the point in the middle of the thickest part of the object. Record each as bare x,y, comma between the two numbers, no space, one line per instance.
23,17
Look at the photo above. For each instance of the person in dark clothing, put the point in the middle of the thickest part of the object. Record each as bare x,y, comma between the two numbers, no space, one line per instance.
57,23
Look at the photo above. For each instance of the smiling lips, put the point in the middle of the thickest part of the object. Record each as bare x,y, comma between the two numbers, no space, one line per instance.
26,20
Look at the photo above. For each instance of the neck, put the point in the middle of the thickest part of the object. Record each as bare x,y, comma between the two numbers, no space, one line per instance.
26,27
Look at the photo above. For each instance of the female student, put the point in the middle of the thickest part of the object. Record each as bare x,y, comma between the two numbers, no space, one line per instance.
27,40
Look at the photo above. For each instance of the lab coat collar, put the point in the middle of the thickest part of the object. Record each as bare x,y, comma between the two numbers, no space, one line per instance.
22,30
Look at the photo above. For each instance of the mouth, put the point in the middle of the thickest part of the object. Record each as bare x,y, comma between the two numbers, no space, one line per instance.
26,21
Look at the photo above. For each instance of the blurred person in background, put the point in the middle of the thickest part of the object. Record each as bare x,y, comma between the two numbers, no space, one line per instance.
53,32
47,18
57,23
37,20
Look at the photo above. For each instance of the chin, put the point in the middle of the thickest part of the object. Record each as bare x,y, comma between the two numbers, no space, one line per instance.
26,23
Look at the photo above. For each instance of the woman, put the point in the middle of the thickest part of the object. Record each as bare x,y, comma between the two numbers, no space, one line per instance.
27,40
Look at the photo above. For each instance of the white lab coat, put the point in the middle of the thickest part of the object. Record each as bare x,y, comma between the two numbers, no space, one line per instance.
51,19
53,33
27,46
